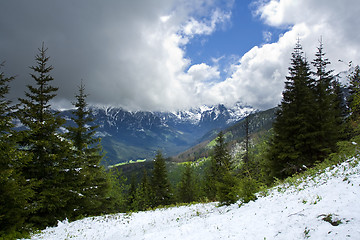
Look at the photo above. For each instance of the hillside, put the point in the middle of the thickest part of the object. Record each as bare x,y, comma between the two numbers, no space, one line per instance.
258,122
322,206
132,135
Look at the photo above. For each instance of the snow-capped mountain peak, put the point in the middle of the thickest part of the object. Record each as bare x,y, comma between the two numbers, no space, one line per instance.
172,132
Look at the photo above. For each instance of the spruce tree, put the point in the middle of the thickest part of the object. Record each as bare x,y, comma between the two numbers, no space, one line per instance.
187,193
160,183
14,190
246,157
49,167
220,159
93,182
144,194
354,99
293,145
116,201
221,183
131,196
328,110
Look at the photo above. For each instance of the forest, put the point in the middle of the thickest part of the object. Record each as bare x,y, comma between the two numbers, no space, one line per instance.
48,175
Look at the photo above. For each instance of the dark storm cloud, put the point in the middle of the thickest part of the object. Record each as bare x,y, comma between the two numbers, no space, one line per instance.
129,53
85,40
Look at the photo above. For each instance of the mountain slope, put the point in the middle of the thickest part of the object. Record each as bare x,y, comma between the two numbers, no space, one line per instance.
136,135
322,206
234,134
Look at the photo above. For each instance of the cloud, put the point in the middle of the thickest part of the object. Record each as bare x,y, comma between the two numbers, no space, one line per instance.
203,72
133,53
129,53
258,77
267,36
196,27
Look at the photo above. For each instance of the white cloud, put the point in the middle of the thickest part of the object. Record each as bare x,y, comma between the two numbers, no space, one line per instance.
203,72
267,36
197,27
129,53
259,76
133,53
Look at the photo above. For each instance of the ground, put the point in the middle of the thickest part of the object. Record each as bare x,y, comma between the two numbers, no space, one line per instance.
322,206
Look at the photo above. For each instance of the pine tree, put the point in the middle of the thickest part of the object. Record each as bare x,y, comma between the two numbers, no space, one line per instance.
144,195
294,145
116,200
221,159
187,193
354,99
14,190
328,112
221,184
49,167
160,183
131,196
93,183
246,157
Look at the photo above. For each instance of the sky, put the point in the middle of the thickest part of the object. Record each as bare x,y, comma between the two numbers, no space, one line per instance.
160,55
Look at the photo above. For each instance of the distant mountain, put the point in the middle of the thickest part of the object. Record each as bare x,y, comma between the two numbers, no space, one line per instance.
133,135
259,121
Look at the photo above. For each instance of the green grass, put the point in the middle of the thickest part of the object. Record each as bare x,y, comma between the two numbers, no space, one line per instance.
346,150
129,162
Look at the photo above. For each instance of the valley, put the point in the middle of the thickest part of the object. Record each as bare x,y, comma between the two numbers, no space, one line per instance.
137,135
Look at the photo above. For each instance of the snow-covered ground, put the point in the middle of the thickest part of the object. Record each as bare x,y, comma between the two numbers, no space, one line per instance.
324,207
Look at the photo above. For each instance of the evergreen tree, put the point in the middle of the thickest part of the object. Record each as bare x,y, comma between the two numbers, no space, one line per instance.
220,159
160,182
221,184
14,190
187,193
246,157
328,114
144,194
131,196
354,99
93,183
49,167
116,201
294,144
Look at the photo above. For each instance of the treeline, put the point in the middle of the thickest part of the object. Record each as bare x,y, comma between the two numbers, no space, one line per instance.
313,120
48,174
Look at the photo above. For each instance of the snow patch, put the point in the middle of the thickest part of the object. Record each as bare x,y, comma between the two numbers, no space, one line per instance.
324,207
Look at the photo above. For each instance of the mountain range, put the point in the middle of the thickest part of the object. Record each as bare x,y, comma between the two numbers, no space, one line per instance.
134,135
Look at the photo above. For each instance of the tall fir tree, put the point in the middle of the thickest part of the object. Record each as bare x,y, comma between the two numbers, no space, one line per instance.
246,157
354,99
144,195
328,114
293,143
160,183
93,182
186,188
14,189
220,182
49,166
131,196
116,201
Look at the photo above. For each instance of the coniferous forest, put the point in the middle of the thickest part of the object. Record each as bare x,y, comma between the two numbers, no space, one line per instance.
48,175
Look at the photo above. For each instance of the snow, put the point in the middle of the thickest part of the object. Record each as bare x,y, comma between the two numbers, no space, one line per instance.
288,211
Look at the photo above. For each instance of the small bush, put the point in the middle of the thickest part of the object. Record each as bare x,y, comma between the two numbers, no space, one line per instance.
248,188
330,219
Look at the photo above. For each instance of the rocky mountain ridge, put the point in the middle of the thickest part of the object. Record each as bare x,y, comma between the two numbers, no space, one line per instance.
131,135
